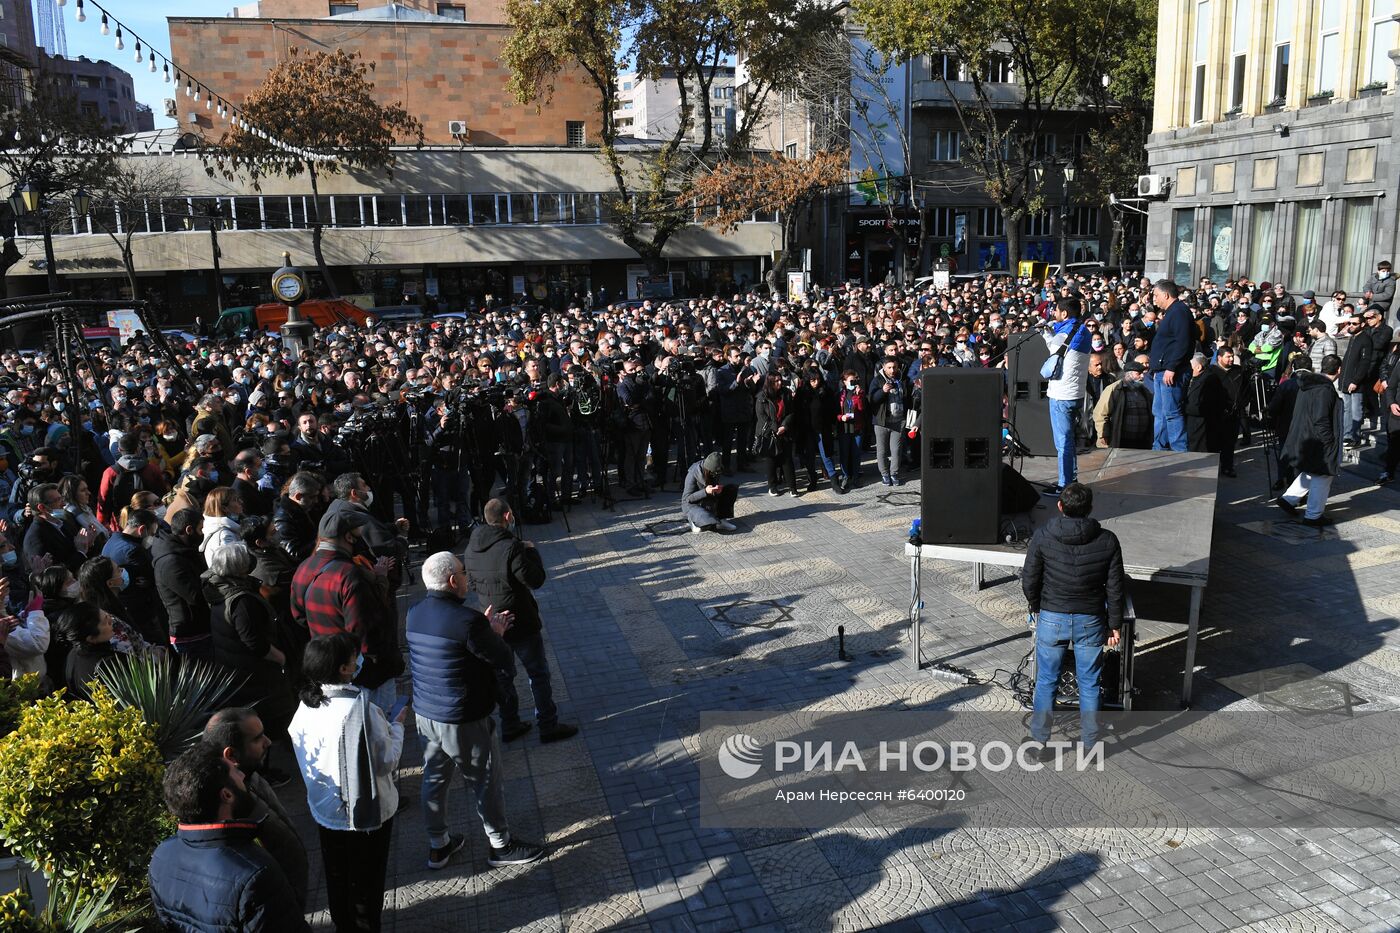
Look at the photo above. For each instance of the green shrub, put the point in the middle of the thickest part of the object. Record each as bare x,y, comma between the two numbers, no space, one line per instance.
68,911
15,695
80,794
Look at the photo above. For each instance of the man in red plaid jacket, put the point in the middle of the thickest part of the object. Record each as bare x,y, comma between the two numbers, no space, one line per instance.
332,593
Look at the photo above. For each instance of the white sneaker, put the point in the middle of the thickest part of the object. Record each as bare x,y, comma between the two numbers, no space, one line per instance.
725,525
695,529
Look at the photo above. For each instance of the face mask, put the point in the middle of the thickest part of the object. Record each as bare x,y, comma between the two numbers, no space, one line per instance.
148,542
213,476
1383,275
26,430
850,384
369,498
161,510
126,580
171,437
70,589
359,665
10,558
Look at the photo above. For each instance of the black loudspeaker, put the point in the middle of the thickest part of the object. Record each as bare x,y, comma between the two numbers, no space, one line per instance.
1027,401
961,431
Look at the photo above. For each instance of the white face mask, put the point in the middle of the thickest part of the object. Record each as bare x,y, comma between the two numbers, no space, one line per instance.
1383,274
70,589
369,498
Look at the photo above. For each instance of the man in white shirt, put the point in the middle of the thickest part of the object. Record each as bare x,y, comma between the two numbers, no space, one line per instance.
1334,312
1069,339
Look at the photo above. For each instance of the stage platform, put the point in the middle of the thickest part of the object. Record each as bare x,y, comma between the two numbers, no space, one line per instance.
1160,504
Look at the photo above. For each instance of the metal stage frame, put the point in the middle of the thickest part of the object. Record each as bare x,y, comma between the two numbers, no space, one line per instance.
1160,504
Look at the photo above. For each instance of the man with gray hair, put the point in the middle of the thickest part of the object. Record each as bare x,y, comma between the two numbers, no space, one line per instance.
454,653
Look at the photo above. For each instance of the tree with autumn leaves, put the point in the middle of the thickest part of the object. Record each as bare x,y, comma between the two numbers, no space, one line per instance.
736,188
315,114
681,42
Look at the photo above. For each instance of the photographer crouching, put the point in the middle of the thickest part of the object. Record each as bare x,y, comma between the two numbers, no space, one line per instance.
707,503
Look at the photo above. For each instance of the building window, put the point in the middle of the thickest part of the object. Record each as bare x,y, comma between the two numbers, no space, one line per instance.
1202,52
1329,46
1044,146
945,66
340,9
1383,39
1261,241
627,85
1283,42
452,11
990,222
724,93
1239,46
998,69
626,105
1307,245
1222,235
1183,247
941,222
790,150
575,134
1082,221
1037,224
1358,239
946,146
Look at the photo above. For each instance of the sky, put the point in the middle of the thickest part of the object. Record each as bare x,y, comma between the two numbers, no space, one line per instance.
147,19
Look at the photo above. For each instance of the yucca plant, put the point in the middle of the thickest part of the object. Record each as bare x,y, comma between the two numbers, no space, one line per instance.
175,698
70,909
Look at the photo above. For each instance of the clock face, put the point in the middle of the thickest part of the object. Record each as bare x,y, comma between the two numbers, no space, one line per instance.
288,287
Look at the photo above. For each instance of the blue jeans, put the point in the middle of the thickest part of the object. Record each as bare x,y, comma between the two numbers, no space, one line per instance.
1168,421
1085,635
531,656
1354,403
1063,417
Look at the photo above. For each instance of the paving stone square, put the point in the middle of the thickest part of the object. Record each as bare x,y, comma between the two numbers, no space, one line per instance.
647,626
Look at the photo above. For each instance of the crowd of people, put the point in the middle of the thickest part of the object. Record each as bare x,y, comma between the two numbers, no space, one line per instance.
223,501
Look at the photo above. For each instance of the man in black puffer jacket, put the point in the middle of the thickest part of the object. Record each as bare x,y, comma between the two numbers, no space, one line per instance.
503,570
1074,580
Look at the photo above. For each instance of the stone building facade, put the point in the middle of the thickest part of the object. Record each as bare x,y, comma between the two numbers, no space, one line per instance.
1274,131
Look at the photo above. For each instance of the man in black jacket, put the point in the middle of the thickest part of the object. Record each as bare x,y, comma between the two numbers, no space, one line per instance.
178,565
45,541
503,570
1073,579
1356,368
1313,449
293,517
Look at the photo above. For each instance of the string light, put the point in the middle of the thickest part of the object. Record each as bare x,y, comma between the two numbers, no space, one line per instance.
193,89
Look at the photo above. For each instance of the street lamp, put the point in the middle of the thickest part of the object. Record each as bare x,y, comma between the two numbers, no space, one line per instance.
28,198
1070,172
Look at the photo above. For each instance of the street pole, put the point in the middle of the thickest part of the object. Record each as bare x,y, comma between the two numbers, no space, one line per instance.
50,264
218,274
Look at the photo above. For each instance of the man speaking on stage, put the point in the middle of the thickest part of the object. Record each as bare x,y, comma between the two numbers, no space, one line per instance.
1069,342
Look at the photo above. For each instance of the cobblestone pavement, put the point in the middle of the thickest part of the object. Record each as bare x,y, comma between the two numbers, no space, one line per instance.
648,625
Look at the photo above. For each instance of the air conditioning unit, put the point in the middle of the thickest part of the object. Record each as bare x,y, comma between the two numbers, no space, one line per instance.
458,129
171,109
1153,186
191,117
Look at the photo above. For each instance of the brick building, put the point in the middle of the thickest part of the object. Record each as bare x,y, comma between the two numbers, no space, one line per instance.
102,90
441,61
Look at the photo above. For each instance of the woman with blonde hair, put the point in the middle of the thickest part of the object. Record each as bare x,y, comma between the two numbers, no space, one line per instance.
223,511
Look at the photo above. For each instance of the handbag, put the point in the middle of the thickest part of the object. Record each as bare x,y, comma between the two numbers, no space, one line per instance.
1054,366
764,445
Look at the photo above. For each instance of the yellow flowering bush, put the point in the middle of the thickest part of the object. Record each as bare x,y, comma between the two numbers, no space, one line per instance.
17,915
80,793
15,696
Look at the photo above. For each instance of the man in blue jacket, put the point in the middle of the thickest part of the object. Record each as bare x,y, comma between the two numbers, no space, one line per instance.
213,877
1172,347
455,653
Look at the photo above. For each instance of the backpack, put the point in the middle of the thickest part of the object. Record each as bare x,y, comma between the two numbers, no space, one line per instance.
121,490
